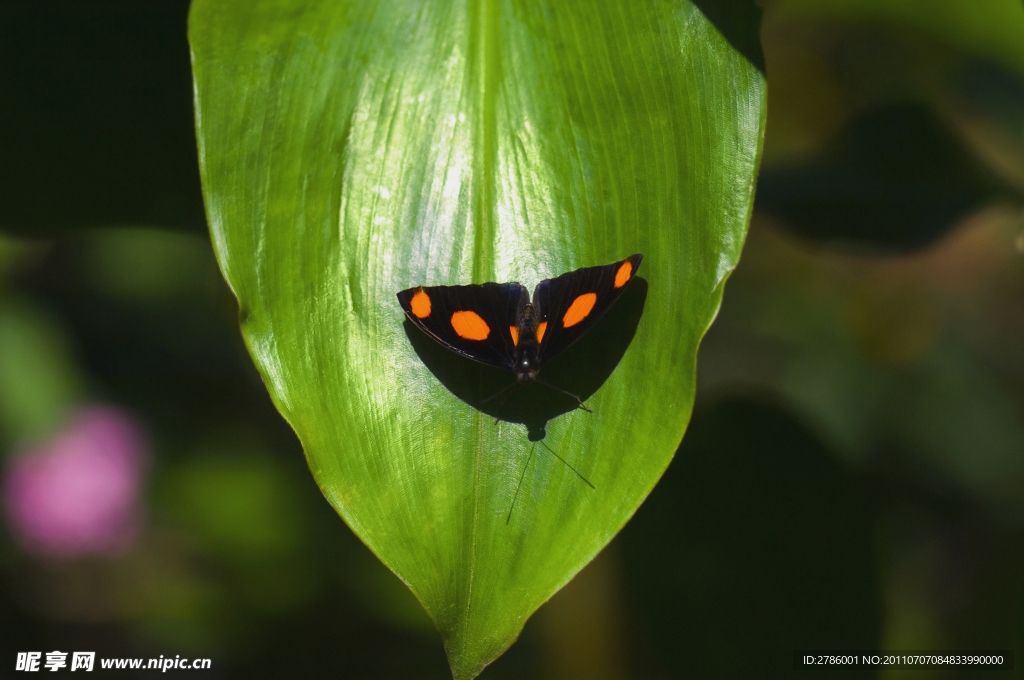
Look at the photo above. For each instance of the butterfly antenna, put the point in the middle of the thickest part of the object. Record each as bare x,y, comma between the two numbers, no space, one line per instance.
566,393
567,465
528,459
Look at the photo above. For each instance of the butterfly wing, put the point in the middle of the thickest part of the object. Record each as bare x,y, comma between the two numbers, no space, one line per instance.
572,303
473,321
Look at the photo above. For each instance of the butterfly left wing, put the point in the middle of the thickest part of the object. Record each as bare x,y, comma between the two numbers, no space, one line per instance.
474,321
569,305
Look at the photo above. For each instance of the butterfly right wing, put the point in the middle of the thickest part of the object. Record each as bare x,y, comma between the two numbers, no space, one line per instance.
474,321
572,303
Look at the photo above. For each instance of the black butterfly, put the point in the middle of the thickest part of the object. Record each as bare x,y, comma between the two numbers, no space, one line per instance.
498,324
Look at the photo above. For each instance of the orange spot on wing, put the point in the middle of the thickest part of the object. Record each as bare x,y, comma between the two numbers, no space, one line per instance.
543,326
470,326
579,309
622,276
515,335
420,304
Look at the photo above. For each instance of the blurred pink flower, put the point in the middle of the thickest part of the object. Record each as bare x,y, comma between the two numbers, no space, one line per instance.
79,493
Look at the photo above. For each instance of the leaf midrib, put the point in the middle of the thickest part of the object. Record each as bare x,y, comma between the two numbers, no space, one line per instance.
484,77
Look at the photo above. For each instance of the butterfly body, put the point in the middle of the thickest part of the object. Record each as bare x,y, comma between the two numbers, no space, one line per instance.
526,356
500,325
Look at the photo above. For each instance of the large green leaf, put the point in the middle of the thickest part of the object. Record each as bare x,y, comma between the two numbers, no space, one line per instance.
350,150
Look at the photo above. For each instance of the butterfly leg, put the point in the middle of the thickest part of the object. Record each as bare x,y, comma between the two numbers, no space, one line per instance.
566,393
506,391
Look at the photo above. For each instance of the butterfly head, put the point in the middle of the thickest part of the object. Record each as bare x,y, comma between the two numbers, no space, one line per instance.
526,371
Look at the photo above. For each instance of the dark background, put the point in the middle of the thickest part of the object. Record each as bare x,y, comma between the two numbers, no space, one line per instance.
853,476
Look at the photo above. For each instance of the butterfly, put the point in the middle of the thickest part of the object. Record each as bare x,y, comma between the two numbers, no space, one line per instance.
500,325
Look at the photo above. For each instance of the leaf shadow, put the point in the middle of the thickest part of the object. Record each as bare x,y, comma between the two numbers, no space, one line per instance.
581,369
739,22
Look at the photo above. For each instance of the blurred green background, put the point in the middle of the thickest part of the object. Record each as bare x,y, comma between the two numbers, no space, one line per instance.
853,476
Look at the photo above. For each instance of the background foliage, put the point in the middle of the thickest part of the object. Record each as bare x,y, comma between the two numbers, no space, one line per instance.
861,392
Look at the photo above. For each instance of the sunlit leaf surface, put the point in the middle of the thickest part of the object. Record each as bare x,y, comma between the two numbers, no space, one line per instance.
352,150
